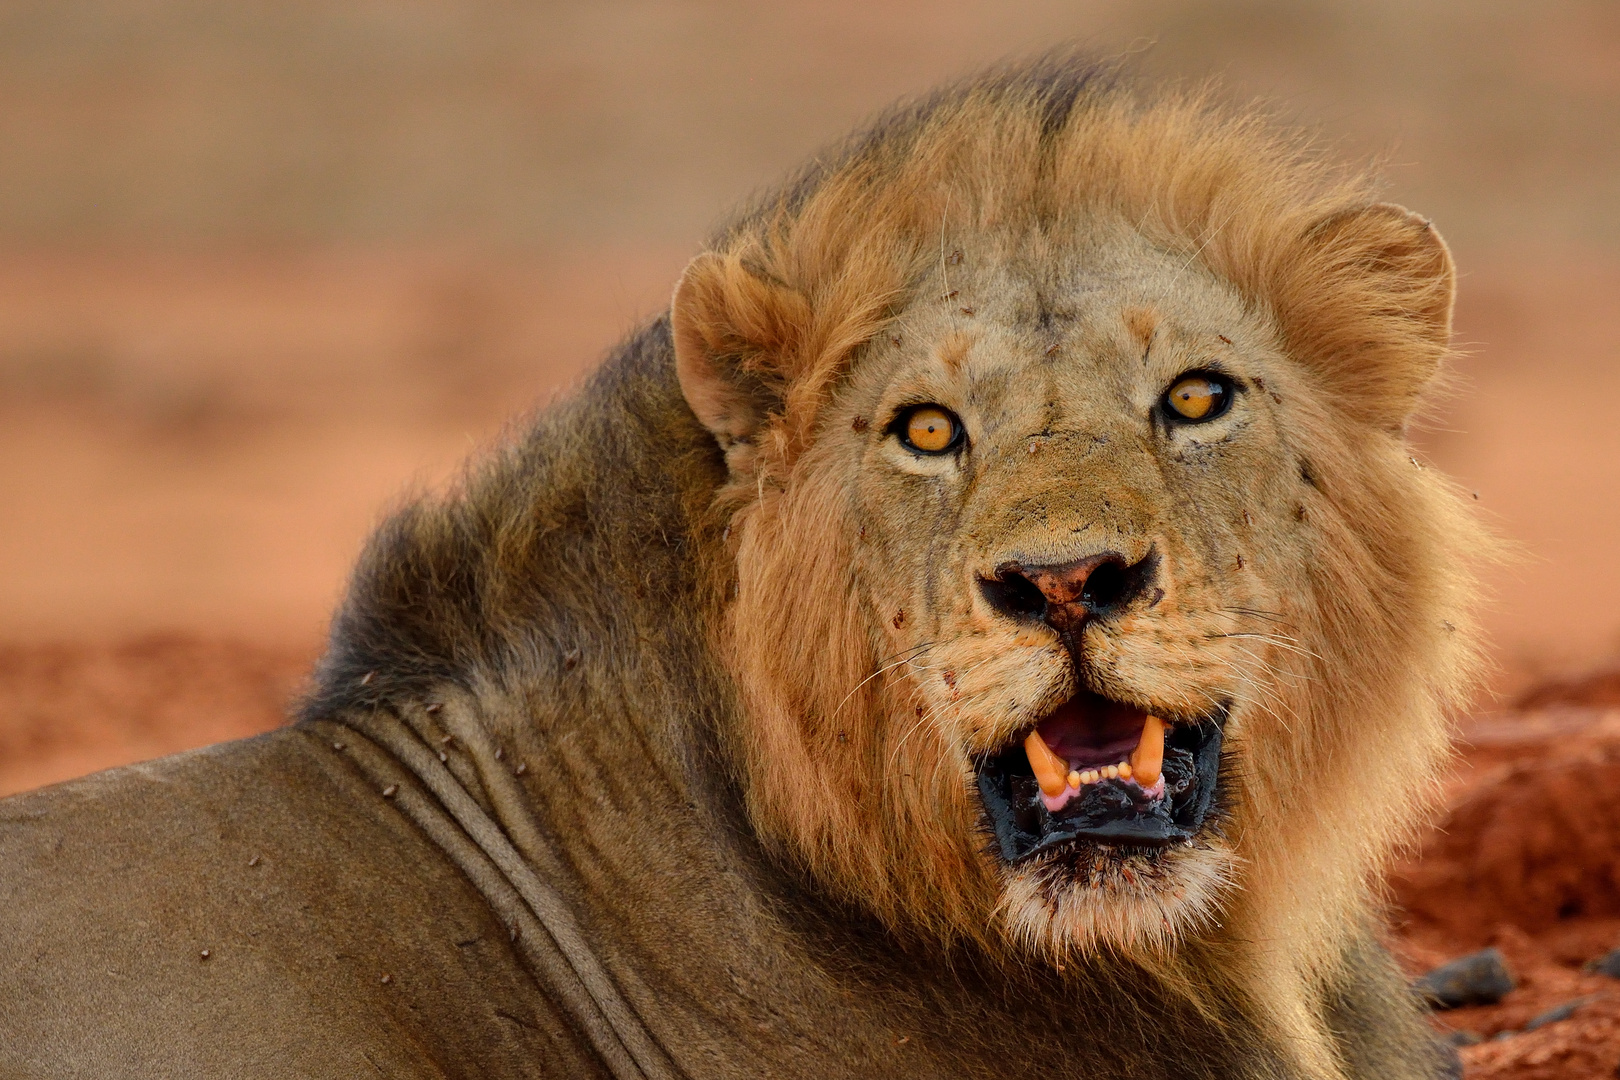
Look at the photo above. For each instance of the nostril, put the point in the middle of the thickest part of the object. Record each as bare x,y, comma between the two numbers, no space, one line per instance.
1014,595
1064,596
1114,584
1106,586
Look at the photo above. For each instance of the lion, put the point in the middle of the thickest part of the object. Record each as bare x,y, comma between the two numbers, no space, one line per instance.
992,624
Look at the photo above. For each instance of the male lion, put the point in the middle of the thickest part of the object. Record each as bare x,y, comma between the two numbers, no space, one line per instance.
991,626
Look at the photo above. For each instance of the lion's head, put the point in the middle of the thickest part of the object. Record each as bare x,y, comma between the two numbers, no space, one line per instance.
1085,592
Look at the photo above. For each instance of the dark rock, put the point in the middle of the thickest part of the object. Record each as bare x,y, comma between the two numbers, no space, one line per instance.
1480,978
1552,1016
1607,964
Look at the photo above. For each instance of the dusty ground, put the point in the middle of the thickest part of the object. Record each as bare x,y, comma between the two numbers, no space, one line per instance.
1527,859
71,709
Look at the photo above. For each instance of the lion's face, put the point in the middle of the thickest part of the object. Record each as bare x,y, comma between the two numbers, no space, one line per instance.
1078,586
1063,490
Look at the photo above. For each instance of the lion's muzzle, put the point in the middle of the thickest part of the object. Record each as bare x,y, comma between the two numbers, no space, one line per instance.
1094,769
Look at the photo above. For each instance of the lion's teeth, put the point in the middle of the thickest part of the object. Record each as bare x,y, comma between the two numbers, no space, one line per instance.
1051,771
1056,777
1147,760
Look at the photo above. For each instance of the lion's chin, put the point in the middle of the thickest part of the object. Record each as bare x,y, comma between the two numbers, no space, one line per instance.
1082,899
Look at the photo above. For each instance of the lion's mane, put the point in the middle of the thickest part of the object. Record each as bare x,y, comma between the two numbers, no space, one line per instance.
722,581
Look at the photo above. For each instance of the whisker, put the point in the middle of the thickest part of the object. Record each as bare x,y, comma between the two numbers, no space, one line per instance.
1252,612
1279,641
932,713
1267,698
1208,239
922,719
881,669
902,652
1265,664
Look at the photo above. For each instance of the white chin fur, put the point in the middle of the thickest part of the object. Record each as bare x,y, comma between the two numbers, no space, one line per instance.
1129,905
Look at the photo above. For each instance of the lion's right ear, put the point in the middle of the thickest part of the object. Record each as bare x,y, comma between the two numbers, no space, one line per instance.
734,332
1372,290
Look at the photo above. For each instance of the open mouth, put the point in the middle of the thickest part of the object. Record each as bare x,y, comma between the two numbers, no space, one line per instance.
1101,771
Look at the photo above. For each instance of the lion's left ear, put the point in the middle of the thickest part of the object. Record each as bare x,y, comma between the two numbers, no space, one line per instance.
733,329
1371,296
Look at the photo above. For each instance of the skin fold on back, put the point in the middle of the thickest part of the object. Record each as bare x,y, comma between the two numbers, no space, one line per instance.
711,650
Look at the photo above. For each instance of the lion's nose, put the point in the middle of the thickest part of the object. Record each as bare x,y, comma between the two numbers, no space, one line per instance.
1065,595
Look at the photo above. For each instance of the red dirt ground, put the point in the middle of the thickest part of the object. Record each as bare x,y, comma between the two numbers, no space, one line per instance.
1527,858
71,709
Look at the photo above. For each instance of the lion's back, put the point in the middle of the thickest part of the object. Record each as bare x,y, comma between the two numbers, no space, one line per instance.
250,910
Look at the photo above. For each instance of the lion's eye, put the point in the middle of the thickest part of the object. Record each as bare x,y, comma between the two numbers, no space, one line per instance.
1199,396
930,429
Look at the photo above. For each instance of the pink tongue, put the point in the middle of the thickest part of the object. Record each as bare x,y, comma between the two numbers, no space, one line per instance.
1090,730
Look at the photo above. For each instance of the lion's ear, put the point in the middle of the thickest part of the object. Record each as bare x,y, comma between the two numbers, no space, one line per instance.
733,329
1372,307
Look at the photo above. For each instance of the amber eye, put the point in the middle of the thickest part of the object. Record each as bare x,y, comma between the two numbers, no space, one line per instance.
1199,396
930,429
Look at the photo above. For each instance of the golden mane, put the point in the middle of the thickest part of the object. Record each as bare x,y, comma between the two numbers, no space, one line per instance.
841,764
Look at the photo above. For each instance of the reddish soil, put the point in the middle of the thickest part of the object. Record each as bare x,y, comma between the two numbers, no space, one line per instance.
1527,858
67,710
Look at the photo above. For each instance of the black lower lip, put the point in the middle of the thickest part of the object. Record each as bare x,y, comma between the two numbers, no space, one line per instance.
1109,811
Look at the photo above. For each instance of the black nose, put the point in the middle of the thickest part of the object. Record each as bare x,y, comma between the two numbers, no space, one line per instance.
1064,596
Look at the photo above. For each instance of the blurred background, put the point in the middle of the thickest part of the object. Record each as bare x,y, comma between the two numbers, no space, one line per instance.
267,267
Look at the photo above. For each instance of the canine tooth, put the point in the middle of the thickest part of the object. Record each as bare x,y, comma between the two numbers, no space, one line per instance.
1074,778
1051,771
1147,760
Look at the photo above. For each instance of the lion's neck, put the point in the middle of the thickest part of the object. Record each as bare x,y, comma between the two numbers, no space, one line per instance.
552,618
